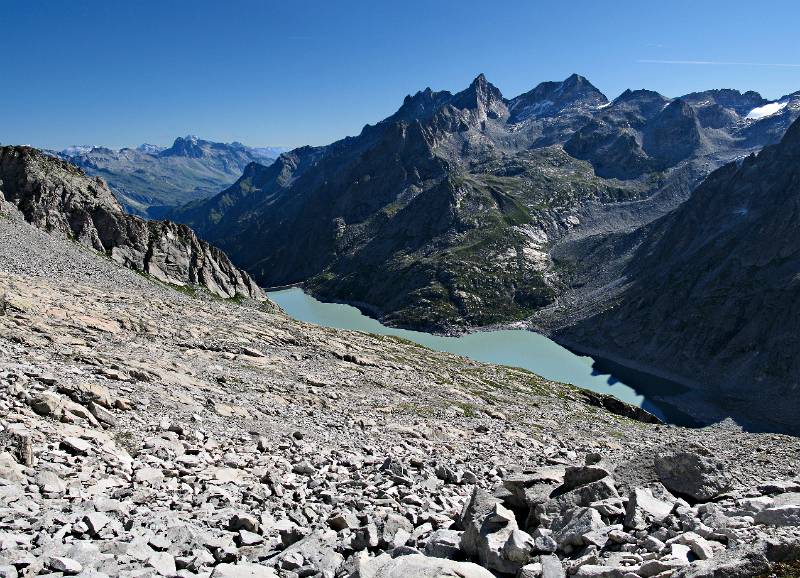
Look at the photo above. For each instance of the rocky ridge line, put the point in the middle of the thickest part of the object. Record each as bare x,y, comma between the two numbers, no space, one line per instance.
58,197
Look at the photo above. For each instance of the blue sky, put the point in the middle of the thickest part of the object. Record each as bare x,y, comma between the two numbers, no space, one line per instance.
299,72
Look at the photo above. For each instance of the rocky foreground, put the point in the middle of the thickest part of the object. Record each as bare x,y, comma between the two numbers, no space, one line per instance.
146,431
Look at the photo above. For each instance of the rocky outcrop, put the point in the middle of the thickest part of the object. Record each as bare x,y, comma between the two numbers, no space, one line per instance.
58,197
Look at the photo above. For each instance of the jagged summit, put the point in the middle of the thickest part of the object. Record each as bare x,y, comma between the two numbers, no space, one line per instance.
551,98
480,94
189,146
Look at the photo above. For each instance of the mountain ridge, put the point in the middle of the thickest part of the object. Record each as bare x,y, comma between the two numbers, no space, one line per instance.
709,291
149,178
463,205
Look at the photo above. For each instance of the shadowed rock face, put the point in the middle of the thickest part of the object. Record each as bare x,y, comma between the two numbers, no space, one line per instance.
713,291
57,196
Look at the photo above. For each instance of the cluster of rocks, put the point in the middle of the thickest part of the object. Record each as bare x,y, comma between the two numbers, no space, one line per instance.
145,432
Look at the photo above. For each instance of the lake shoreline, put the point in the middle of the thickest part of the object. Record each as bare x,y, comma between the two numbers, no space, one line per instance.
514,345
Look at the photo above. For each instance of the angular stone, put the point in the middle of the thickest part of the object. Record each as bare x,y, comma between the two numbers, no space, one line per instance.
96,521
163,563
102,414
343,521
76,446
576,476
695,474
62,564
519,547
570,527
396,531
644,508
444,544
242,521
419,566
700,546
788,515
149,475
552,567
48,404
242,570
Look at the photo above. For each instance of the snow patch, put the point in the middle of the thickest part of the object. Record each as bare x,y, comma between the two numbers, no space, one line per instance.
766,110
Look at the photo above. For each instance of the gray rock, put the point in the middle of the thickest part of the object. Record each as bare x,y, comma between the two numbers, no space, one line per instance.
487,527
695,473
242,570
575,476
570,527
552,567
788,515
418,566
444,544
64,565
644,508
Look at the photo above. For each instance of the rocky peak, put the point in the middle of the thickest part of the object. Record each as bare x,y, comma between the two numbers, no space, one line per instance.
421,105
647,103
481,96
189,146
740,102
551,98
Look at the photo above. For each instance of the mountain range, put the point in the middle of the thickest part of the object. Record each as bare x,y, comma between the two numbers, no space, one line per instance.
446,214
148,179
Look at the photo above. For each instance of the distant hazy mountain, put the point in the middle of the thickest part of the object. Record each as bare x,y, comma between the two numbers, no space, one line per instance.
150,178
445,214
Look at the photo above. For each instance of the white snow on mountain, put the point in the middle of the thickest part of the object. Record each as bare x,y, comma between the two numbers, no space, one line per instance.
766,110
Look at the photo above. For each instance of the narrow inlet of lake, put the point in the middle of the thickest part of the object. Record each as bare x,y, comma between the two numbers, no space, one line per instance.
514,347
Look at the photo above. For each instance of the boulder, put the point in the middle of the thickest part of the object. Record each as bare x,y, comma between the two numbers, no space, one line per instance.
552,567
570,527
576,476
488,525
444,544
786,515
644,508
695,474
242,570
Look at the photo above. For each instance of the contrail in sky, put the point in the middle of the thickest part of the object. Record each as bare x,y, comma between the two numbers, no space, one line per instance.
719,62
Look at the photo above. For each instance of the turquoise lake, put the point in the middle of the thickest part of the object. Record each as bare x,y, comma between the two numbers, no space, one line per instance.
515,347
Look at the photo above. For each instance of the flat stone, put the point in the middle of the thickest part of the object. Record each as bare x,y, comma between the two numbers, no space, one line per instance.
62,564
76,445
242,570
788,515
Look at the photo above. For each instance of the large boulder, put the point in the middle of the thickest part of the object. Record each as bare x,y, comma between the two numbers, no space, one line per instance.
694,473
785,515
488,527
